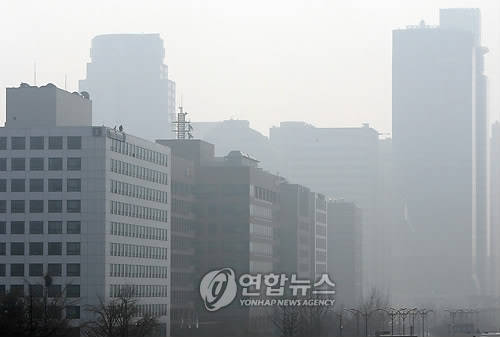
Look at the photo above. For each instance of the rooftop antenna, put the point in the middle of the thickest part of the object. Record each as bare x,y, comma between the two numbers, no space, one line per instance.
34,73
182,127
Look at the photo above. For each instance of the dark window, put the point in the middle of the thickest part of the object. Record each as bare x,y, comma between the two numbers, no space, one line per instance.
3,206
36,143
74,142
17,248
73,248
36,248
2,289
36,290
55,164
73,269
54,290
36,185
17,269
17,185
73,206
18,164
3,185
36,206
55,143
3,164
54,248
2,269
3,249
73,227
17,289
74,164
17,227
17,206
3,143
36,227
55,206
55,185
54,269
3,226
55,227
73,312
74,185
36,164
18,143
36,269
72,290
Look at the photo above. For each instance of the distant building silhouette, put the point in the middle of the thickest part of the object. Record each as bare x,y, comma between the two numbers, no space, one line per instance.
440,157
129,85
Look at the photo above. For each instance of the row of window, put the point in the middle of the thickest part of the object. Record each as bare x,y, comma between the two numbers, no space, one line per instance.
262,231
38,206
136,211
145,252
138,231
139,192
37,227
137,270
139,152
139,172
38,185
38,143
37,248
138,290
261,249
37,269
38,164
182,225
181,206
265,194
154,310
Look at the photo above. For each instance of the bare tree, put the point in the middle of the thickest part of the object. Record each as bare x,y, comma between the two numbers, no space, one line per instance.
287,320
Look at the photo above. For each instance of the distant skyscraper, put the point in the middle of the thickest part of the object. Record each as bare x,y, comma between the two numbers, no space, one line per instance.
129,85
440,156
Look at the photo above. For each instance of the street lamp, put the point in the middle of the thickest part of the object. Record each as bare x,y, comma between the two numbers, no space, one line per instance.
366,314
423,314
392,313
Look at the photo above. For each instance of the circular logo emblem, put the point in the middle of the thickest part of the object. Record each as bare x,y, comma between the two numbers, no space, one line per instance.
218,288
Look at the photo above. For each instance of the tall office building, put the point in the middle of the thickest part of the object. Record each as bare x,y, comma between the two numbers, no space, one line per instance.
440,157
89,206
129,84
340,163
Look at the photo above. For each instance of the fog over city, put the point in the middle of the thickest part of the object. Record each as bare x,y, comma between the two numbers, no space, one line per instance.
250,168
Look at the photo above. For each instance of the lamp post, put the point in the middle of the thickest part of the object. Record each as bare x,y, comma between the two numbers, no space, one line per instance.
413,313
340,317
403,313
356,313
392,313
366,314
423,314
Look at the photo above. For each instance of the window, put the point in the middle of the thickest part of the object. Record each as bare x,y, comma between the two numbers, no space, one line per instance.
36,143
55,206
36,185
74,164
55,227
3,143
36,227
36,164
55,164
18,164
54,248
17,185
3,227
36,206
73,248
2,270
17,248
3,249
3,206
36,248
54,290
17,289
36,269
17,227
73,290
3,164
55,143
17,206
3,185
17,269
74,185
54,269
18,143
73,227
73,312
73,269
36,290
73,206
55,185
74,142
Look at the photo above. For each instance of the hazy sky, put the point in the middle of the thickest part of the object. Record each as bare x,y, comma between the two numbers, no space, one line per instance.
326,62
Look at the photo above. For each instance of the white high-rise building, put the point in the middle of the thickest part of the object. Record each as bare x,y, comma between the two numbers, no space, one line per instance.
89,206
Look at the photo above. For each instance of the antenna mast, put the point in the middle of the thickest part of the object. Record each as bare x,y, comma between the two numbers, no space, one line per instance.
182,126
